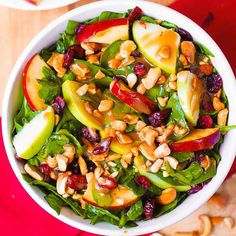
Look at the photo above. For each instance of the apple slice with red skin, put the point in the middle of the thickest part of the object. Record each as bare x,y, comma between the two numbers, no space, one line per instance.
135,100
106,31
121,197
197,140
32,72
35,2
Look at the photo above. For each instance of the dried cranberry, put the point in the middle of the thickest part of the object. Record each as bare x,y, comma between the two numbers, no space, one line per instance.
195,189
143,181
58,104
91,134
91,166
77,182
103,146
108,184
74,51
135,14
214,83
19,159
140,69
205,121
206,103
79,28
136,53
149,207
46,170
74,166
159,118
185,35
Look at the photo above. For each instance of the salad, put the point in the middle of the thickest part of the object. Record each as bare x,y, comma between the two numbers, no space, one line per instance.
122,118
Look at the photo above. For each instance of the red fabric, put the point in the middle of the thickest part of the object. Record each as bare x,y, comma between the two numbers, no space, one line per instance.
20,215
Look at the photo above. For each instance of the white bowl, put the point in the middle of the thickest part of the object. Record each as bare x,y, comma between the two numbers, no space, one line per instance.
44,5
46,37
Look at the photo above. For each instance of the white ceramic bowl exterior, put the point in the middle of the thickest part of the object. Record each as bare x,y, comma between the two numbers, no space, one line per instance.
48,36
44,5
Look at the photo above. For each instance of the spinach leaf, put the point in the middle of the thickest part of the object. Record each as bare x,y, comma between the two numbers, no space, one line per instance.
55,202
203,49
207,174
186,176
177,114
110,53
182,156
169,207
106,15
74,205
69,122
68,76
154,191
72,139
148,19
24,116
135,211
92,211
93,99
93,70
71,27
123,71
50,86
157,91
214,154
212,113
130,128
46,53
169,25
224,98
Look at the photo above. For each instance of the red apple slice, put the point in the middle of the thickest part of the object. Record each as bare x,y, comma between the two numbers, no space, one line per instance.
106,31
197,140
121,196
35,2
32,72
135,100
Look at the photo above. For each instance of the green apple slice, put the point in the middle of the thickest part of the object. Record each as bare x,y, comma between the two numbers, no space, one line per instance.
158,44
76,105
34,134
189,89
157,178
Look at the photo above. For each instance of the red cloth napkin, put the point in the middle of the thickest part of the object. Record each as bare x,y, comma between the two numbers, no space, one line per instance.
20,215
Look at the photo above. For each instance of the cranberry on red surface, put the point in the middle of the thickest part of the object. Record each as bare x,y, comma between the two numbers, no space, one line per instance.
77,182
140,69
214,83
159,118
58,104
103,146
143,181
107,183
205,121
149,207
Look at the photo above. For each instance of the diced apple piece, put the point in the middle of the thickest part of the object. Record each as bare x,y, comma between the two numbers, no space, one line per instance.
106,31
34,134
121,197
189,89
158,44
32,72
198,139
157,178
76,105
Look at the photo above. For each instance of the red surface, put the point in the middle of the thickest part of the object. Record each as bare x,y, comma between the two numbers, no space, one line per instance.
20,215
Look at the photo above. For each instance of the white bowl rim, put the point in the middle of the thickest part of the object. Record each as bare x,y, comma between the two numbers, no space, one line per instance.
175,215
30,7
